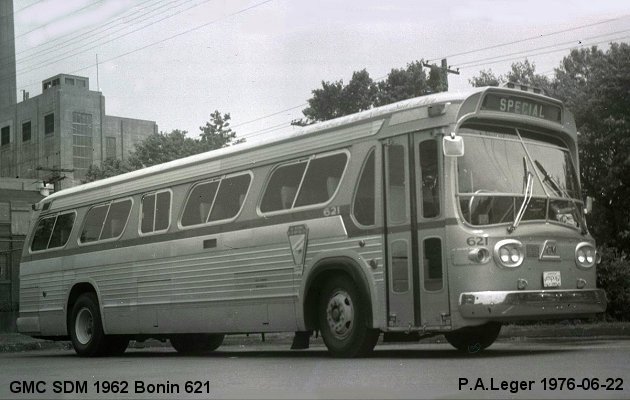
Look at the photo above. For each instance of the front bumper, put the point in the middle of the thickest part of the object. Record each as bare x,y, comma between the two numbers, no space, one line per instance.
532,303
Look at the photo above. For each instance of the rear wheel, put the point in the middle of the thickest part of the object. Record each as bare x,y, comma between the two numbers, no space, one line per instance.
86,330
344,319
196,343
473,339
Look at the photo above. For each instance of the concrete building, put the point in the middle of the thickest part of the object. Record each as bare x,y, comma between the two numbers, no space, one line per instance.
63,131
57,135
16,199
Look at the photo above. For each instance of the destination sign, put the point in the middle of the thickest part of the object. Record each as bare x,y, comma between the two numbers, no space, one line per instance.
522,106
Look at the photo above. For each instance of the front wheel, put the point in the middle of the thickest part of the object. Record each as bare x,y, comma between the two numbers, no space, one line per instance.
196,343
473,339
344,319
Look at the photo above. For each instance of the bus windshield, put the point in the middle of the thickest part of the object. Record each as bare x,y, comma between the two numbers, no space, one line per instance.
503,166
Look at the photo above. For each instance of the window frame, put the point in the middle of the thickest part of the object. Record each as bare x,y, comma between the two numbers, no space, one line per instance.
112,239
55,216
51,133
210,180
309,158
30,132
371,151
170,212
2,131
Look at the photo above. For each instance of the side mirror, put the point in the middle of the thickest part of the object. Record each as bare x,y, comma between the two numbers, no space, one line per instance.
453,146
589,205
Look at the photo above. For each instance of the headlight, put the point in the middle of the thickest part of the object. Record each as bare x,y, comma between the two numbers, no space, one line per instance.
585,255
509,253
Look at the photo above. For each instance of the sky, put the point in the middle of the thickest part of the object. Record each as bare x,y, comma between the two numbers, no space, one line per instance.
176,61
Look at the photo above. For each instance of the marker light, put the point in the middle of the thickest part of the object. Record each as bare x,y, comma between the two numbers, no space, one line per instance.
509,253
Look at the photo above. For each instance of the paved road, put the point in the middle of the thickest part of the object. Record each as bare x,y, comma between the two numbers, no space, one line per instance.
271,371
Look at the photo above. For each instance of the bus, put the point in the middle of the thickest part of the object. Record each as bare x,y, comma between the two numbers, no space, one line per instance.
450,213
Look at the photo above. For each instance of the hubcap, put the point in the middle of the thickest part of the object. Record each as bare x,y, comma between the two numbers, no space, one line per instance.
84,326
340,314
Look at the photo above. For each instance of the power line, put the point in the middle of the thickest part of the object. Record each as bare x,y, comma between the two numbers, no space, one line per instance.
531,38
72,13
541,48
241,11
29,6
72,53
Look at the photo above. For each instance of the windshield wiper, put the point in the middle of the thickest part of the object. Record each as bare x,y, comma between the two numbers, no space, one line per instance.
562,192
528,194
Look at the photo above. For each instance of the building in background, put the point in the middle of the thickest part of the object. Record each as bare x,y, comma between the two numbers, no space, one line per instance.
61,132
16,199
57,135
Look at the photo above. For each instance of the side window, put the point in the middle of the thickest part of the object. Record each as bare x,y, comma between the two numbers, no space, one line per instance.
282,187
61,232
105,221
116,219
93,224
42,233
429,178
230,198
304,183
216,200
156,209
321,180
199,203
364,204
52,232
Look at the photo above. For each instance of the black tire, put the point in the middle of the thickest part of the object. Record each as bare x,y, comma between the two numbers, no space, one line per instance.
343,315
86,328
198,343
474,339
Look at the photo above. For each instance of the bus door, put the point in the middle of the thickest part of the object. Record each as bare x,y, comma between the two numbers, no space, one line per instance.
434,300
417,293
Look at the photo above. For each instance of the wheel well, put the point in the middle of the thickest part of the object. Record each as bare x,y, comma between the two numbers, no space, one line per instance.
76,291
318,279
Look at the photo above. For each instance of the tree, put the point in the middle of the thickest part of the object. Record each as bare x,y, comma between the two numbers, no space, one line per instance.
594,85
523,72
162,147
334,99
217,132
109,167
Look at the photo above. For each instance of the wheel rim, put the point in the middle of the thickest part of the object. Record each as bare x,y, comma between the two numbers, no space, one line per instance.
84,326
340,314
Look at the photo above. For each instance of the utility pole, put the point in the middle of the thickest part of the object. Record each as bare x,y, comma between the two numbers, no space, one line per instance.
443,70
55,177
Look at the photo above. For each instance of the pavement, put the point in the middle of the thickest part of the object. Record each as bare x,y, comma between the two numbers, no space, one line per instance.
15,342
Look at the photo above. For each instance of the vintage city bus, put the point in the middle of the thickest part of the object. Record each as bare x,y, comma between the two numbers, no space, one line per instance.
445,214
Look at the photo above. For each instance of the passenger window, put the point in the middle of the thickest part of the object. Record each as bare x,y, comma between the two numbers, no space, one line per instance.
42,234
397,184
116,219
364,204
52,232
61,232
321,180
282,187
106,221
156,209
93,224
429,179
230,198
199,203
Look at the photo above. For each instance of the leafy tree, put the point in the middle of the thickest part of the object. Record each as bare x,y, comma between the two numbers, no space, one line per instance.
594,84
162,147
334,99
523,72
109,167
217,132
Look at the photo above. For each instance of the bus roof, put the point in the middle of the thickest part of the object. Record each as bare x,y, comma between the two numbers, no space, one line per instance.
271,139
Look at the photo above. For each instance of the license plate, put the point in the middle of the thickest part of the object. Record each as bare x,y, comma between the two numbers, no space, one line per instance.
551,279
